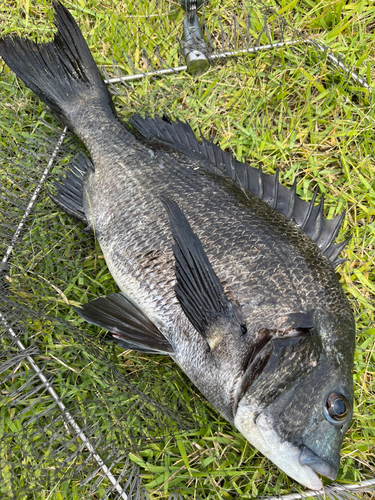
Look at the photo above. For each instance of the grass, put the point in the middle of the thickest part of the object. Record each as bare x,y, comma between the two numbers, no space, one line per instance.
285,108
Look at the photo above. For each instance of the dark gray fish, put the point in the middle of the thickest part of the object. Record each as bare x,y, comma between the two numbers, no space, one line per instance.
219,265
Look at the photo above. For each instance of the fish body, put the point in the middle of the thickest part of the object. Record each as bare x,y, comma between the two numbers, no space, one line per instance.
227,278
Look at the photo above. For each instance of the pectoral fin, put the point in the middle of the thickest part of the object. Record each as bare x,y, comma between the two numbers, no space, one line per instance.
198,289
129,327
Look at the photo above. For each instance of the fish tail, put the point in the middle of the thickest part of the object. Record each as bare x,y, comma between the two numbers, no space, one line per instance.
62,73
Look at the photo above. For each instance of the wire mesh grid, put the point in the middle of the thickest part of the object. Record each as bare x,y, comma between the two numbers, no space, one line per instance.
80,419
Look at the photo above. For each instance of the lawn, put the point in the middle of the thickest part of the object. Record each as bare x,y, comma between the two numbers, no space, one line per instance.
289,107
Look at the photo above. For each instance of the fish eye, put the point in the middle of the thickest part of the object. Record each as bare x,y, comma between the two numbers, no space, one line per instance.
337,408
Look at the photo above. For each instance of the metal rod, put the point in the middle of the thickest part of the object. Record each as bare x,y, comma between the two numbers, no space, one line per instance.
233,53
139,76
222,55
34,197
353,75
276,45
361,486
69,418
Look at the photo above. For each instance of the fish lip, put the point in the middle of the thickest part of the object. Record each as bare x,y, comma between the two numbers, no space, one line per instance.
314,481
317,464
259,430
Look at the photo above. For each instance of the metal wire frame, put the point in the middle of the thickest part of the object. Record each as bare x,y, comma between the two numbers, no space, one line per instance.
67,416
251,50
335,490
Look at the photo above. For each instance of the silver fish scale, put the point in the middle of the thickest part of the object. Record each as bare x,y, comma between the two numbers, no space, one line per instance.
267,265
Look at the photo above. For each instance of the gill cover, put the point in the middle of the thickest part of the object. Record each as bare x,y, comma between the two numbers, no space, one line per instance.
285,411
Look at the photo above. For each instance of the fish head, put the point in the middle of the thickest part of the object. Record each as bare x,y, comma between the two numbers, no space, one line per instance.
294,402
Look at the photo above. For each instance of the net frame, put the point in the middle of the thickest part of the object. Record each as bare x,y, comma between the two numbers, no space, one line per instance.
29,355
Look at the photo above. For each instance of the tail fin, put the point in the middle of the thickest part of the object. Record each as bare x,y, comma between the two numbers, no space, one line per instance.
62,73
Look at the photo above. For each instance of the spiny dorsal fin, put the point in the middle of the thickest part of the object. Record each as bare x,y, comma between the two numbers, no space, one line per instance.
307,216
129,326
198,289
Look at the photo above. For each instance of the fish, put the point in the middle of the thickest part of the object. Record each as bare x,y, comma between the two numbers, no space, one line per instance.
219,265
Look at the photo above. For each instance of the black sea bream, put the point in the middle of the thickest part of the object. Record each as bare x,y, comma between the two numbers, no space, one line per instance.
219,266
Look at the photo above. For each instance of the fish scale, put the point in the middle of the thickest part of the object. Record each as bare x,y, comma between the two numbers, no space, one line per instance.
252,281
219,265
137,241
249,283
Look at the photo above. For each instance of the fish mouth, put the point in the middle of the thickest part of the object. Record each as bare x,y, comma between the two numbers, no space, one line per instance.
259,430
309,458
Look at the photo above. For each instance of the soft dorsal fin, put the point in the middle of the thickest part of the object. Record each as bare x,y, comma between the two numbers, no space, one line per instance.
70,192
198,289
307,216
128,325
